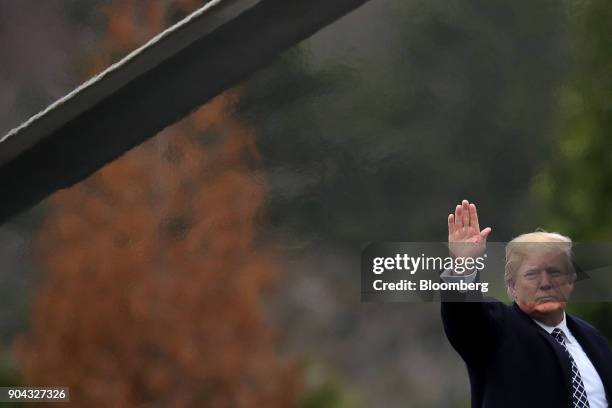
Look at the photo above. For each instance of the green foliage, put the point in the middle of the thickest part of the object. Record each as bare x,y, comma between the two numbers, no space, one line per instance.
329,394
464,403
373,132
575,187
9,377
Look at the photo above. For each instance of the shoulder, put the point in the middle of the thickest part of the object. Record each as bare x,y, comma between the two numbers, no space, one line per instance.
583,324
587,328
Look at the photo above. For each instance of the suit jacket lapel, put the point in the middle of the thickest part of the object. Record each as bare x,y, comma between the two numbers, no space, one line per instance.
562,357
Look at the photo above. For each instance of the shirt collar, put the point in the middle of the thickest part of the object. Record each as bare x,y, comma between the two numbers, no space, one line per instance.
562,325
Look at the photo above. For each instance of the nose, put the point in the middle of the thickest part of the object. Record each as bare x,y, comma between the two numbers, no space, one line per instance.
545,282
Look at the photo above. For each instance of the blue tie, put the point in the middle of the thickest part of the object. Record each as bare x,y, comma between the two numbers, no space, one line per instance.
579,396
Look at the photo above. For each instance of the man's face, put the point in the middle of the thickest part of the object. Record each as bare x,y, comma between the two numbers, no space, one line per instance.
542,284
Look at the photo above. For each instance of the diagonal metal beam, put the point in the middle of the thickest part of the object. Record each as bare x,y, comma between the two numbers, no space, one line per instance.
211,50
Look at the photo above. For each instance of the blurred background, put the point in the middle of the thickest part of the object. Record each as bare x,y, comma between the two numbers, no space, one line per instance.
217,264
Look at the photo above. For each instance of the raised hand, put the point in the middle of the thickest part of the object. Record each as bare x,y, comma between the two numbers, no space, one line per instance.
465,239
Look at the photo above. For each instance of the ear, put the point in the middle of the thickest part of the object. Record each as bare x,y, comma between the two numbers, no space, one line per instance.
512,289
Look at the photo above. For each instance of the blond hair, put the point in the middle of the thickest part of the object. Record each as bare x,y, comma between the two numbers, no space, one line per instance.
547,242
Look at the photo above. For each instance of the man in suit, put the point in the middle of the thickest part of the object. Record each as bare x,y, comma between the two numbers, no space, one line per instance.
531,353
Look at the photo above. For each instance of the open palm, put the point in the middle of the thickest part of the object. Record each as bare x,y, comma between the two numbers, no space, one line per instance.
465,239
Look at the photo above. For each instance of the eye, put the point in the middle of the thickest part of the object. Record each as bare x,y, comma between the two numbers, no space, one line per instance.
530,274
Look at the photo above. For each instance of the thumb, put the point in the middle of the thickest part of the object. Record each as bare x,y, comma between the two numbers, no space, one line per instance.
485,232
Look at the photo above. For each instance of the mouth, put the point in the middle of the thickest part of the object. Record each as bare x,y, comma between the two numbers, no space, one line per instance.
544,299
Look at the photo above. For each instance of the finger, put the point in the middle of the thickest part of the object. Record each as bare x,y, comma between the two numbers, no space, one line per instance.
474,217
458,216
451,224
465,212
485,232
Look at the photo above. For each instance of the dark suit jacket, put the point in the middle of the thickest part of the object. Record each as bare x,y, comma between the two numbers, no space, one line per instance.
512,362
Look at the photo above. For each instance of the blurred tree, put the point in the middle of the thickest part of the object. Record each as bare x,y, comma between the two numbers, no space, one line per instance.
9,376
372,131
373,128
330,393
154,277
575,187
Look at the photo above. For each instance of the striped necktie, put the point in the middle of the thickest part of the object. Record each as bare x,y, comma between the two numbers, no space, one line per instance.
579,396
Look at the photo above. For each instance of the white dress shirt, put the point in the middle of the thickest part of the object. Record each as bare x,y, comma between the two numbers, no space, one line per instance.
593,386
592,382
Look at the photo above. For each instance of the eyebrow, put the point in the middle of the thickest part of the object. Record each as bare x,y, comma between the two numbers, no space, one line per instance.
546,269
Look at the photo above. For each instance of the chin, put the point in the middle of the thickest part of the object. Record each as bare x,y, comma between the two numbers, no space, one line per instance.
539,310
550,306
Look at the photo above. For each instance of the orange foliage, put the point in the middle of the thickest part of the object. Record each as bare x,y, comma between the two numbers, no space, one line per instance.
153,281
